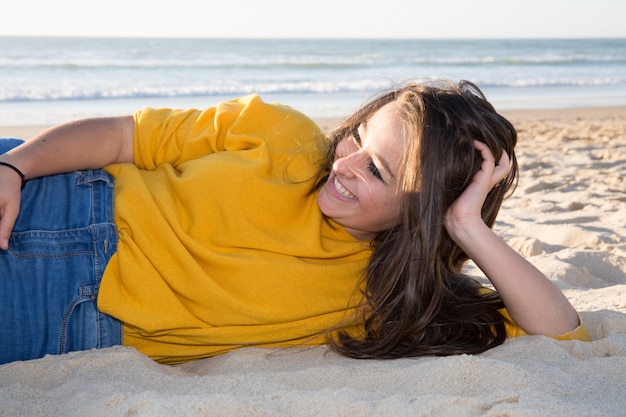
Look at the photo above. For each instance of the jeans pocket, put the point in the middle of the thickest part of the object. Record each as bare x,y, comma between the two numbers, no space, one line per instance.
52,244
85,327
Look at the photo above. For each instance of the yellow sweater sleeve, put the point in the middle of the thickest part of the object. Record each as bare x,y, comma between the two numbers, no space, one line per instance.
171,136
513,330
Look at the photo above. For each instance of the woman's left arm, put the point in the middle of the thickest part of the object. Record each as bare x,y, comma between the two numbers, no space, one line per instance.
532,300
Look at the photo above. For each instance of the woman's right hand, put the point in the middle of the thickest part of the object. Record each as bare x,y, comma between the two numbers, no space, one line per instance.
10,195
466,210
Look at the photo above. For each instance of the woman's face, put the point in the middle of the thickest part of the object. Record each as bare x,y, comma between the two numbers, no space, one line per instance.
362,192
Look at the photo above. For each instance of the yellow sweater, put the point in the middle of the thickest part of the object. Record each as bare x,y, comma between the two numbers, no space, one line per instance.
221,243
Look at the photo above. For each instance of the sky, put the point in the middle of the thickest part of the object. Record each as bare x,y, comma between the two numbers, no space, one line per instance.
316,18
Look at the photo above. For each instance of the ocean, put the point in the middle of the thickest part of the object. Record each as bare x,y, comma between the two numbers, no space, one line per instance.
51,80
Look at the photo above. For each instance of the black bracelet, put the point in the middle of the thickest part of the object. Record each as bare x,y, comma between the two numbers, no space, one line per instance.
14,168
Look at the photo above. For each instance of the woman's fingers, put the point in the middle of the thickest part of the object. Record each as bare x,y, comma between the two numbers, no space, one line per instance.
7,221
503,167
10,193
495,171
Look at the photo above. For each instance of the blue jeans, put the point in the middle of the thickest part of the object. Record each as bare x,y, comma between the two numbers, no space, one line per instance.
49,278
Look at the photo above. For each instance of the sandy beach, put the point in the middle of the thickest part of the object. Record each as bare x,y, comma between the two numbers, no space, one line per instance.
567,215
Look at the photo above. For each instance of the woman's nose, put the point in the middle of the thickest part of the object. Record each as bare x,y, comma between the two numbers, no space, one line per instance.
348,166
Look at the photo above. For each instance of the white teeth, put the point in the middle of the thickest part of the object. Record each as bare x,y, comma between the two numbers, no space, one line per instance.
340,188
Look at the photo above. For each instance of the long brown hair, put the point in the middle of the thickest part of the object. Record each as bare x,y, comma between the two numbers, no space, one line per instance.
418,301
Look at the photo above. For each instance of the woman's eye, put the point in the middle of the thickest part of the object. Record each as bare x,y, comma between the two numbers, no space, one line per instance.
371,166
375,171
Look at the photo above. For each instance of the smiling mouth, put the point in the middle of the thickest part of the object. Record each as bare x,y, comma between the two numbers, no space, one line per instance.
342,190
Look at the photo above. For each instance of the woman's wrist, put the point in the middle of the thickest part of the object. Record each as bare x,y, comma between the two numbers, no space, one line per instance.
16,170
465,230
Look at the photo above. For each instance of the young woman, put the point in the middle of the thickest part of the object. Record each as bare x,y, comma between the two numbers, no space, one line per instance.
242,225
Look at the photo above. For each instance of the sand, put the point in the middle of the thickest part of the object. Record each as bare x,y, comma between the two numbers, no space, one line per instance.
568,216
